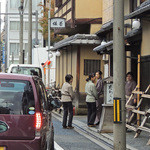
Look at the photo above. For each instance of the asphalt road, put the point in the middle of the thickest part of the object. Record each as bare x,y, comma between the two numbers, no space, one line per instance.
71,140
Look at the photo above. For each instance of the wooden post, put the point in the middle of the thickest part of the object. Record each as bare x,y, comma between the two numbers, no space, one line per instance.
138,86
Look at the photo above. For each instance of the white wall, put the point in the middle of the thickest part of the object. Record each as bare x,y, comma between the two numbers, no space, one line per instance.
40,55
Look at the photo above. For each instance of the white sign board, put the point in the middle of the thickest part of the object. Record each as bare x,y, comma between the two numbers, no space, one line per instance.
106,70
109,99
57,23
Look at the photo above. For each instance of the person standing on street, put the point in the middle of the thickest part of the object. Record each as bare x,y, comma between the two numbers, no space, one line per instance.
129,87
66,98
99,102
91,92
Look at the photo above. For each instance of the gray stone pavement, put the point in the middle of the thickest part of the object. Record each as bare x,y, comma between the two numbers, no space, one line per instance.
136,143
71,140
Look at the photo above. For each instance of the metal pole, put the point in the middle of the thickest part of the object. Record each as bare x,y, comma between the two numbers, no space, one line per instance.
12,58
23,56
0,41
119,129
138,86
49,39
36,32
6,32
30,34
21,32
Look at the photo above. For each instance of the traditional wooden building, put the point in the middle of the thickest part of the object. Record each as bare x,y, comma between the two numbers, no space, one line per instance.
142,13
137,32
132,37
83,19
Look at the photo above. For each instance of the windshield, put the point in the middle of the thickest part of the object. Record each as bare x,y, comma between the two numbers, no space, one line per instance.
16,97
27,71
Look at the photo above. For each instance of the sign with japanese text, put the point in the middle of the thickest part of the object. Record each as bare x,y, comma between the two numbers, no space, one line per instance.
57,23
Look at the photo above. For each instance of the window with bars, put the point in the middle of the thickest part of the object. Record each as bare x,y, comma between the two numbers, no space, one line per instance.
14,25
14,48
14,4
91,66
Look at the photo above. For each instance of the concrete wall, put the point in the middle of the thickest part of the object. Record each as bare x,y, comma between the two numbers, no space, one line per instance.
108,10
94,28
84,9
88,8
67,64
86,52
145,48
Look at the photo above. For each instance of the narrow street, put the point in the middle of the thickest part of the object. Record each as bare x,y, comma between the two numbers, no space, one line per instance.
83,137
71,139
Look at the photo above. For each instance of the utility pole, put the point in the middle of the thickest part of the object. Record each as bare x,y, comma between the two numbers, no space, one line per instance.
30,33
0,42
119,129
49,39
21,32
23,56
36,31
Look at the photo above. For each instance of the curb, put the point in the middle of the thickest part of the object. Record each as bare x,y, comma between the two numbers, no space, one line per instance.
103,136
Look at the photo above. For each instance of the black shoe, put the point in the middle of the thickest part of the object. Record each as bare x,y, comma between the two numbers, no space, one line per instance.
64,127
92,125
70,127
97,123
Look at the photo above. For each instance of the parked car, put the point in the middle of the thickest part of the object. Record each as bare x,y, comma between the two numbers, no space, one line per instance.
25,114
27,69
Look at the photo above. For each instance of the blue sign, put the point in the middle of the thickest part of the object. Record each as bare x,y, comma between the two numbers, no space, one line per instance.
3,55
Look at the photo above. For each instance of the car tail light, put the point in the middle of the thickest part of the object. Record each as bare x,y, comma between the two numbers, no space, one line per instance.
38,122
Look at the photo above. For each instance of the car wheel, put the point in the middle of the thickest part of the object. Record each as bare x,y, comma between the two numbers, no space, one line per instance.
50,140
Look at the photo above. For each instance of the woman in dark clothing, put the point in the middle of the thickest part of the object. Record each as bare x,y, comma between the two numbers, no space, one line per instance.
99,102
129,87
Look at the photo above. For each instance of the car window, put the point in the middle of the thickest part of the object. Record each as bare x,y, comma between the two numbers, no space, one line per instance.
16,97
27,71
42,94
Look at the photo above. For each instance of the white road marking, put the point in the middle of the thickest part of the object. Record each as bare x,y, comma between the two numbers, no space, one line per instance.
57,147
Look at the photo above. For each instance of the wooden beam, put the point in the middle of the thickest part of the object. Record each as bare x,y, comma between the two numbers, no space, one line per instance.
148,143
131,127
61,7
144,129
73,14
145,96
78,68
139,112
138,92
64,14
130,107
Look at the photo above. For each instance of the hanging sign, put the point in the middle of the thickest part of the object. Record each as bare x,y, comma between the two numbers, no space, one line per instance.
57,22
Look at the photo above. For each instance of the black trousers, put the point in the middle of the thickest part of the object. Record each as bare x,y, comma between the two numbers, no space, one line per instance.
91,113
67,108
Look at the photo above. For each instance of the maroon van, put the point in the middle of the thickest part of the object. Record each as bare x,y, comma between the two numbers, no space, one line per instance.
25,121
